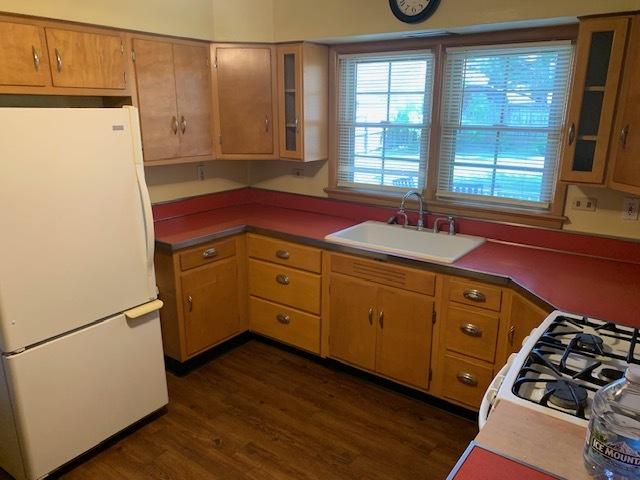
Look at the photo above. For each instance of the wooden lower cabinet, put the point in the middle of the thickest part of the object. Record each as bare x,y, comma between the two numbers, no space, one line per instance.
382,329
204,291
352,331
211,305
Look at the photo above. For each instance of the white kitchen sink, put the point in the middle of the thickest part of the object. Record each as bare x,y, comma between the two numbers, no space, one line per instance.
406,242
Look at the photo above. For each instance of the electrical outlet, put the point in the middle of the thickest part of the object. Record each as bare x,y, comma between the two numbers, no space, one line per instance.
585,203
630,208
200,172
297,172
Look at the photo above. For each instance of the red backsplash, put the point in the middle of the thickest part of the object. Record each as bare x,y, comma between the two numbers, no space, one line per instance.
627,251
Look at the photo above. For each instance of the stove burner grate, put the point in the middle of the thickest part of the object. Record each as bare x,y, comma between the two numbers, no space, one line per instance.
565,394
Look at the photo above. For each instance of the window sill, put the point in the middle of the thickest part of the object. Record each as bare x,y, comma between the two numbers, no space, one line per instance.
492,213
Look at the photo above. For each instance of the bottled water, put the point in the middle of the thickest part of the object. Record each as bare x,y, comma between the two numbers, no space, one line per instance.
612,450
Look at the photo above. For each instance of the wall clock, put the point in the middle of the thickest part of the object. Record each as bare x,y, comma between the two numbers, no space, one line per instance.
413,11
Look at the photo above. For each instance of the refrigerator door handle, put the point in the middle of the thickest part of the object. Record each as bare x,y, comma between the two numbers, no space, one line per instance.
144,309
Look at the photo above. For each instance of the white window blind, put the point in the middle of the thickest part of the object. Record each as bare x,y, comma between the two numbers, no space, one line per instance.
384,118
503,111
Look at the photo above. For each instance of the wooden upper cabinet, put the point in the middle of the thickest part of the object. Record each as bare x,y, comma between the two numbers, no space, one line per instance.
157,99
625,151
174,99
244,101
303,101
23,55
83,59
594,92
193,88
404,336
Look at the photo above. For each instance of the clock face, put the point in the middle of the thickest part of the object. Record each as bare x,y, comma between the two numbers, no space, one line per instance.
412,11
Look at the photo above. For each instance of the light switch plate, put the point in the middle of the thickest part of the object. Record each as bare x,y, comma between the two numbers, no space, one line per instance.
584,203
630,208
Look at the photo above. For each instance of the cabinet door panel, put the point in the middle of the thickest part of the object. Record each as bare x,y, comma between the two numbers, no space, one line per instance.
404,339
352,313
626,137
210,302
290,101
157,99
23,55
244,97
193,88
86,60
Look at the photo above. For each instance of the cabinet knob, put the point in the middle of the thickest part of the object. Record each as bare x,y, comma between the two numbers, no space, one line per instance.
381,318
471,330
282,279
371,316
511,335
283,318
174,125
190,302
183,124
266,124
283,254
209,253
474,295
467,379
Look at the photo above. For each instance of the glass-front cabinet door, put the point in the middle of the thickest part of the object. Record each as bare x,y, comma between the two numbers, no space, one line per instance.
290,99
594,91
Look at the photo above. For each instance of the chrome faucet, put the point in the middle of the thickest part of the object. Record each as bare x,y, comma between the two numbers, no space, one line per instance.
402,211
450,220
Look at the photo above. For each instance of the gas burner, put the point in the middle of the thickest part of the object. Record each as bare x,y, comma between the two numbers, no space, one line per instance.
566,394
610,374
589,342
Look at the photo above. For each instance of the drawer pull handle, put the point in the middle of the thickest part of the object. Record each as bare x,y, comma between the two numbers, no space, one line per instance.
371,316
209,253
471,330
474,295
511,335
283,318
283,254
282,279
467,379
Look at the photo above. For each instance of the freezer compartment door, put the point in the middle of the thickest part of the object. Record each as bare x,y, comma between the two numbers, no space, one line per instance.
73,208
70,394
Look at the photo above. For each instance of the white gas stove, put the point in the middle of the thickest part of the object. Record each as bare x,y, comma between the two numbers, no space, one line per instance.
561,366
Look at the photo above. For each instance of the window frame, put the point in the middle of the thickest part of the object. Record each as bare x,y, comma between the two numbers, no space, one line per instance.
551,218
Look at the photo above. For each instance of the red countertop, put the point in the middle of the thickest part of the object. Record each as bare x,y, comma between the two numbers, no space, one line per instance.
577,283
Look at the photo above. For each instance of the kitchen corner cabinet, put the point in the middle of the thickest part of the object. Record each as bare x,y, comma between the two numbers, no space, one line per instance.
594,92
174,99
51,58
203,289
380,318
624,173
303,101
244,101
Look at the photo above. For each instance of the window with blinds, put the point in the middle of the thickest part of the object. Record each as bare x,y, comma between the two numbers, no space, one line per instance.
384,118
502,116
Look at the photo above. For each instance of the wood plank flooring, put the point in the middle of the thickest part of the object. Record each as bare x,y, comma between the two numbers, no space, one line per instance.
260,412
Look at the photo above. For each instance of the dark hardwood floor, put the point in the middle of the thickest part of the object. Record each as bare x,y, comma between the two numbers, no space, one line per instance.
261,412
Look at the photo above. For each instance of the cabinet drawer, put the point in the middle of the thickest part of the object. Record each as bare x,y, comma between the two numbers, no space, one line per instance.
414,280
285,324
207,253
465,381
471,333
476,294
288,286
285,253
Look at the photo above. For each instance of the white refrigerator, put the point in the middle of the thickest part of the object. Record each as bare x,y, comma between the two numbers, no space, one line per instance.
80,344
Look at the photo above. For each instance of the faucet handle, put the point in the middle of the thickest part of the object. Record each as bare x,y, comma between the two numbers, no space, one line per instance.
452,225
